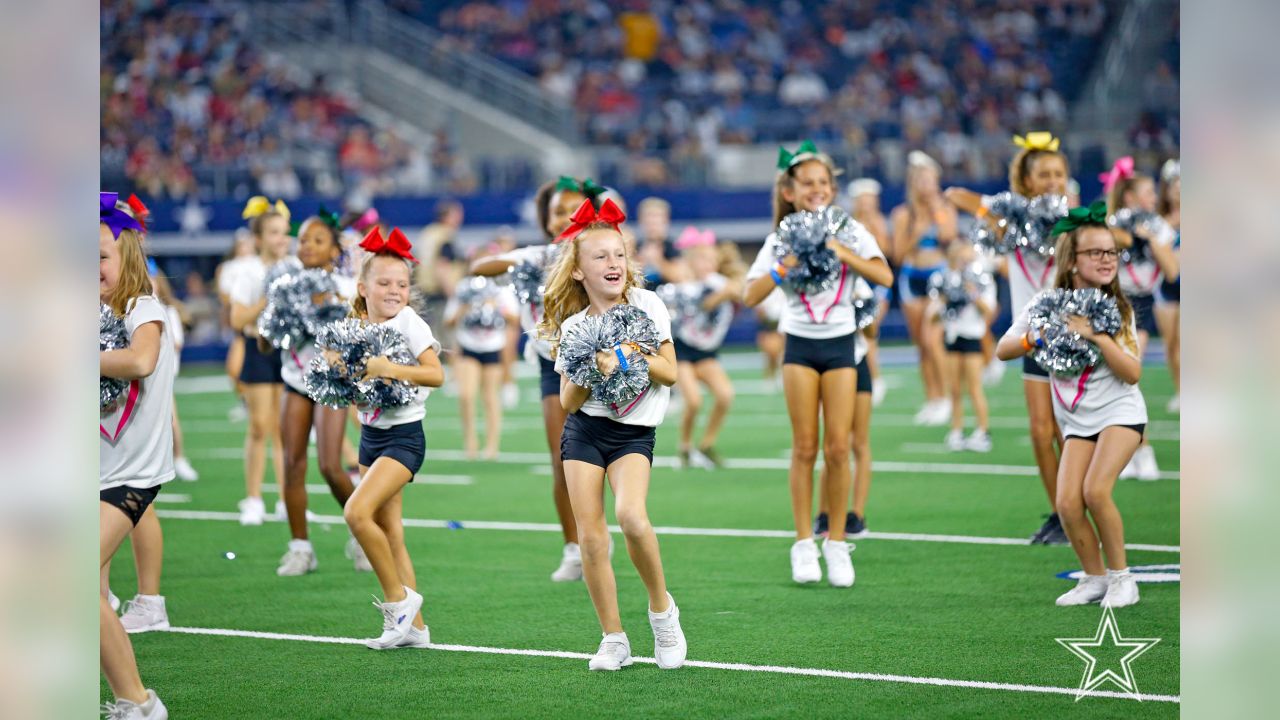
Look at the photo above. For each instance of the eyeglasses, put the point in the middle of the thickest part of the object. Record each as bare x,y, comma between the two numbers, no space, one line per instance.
1096,255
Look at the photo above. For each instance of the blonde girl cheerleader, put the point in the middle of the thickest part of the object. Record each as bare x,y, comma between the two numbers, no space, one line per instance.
922,228
819,359
135,449
1039,168
592,273
319,248
260,373
1101,411
480,369
392,444
225,277
697,344
1168,308
1146,256
864,201
555,203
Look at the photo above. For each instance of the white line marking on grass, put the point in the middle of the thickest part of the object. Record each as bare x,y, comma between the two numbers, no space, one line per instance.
173,498
738,667
685,531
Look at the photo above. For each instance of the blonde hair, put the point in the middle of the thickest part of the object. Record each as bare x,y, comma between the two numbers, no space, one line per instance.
359,307
565,296
134,280
1020,168
731,264
781,206
1065,252
918,162
1115,198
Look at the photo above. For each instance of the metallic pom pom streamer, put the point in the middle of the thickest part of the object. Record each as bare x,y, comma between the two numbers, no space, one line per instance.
621,324
528,281
1145,227
480,296
1065,352
952,287
804,235
684,301
292,316
111,336
384,341
864,311
1025,224
345,347
286,266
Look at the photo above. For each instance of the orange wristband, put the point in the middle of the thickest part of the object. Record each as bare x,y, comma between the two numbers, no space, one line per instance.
981,212
1026,345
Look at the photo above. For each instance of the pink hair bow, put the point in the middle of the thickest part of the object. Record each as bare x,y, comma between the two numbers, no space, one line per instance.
1122,170
693,237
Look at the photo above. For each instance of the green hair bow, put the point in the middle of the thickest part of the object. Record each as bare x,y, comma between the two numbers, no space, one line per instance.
330,219
587,186
1095,214
787,159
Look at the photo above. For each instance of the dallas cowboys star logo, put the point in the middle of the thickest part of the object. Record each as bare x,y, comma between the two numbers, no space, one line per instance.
1108,639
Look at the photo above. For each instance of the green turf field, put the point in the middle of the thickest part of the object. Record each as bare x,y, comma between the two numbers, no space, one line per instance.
926,616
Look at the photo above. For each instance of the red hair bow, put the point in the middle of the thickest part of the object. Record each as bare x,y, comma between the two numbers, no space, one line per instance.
586,215
396,244
140,211
1122,170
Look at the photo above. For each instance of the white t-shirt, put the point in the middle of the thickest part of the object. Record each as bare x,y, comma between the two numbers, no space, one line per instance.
774,304
969,323
231,271
862,290
706,332
135,442
648,409
249,283
418,336
824,315
1096,399
1028,274
1142,275
531,312
482,340
294,362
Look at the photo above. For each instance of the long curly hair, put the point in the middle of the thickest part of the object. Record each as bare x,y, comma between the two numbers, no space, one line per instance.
134,280
1066,256
781,206
565,296
1020,168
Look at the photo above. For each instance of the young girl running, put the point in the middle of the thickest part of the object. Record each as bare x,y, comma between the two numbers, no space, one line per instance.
922,228
392,444
1168,307
260,372
319,248
135,446
1038,169
963,330
819,360
480,369
697,343
555,203
1101,412
592,273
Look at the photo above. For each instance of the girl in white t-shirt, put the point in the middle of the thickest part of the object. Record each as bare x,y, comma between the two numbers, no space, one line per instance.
392,444
480,369
593,273
1101,412
818,367
135,449
962,330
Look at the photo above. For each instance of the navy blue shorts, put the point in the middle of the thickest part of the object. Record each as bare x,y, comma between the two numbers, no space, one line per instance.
601,441
1144,312
689,353
1031,370
484,358
864,376
260,367
405,444
821,355
548,378
131,501
966,345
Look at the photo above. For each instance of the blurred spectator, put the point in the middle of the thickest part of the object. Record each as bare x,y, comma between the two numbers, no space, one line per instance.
203,311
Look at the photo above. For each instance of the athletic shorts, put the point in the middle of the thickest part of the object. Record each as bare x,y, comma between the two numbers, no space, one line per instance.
1140,428
689,353
966,345
913,282
260,367
1171,292
864,376
601,441
406,444
548,378
1031,370
1143,312
821,355
132,501
484,358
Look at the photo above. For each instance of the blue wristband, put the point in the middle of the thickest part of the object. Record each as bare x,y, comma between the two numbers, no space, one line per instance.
622,358
777,279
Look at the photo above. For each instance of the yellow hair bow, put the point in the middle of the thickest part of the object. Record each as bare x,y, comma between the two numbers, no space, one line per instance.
1042,140
259,204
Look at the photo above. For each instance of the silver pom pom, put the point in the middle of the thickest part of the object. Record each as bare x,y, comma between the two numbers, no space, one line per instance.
864,312
1065,352
527,279
684,301
334,376
1022,224
956,289
292,315
621,324
480,297
111,336
1145,227
804,235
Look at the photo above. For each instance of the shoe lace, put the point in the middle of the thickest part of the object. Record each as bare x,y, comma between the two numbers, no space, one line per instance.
612,647
388,613
665,636
116,710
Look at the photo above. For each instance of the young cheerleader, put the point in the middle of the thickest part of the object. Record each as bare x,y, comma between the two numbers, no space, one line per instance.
555,203
1039,168
818,368
225,277
922,228
963,330
1168,309
1101,412
480,367
592,274
392,445
864,199
697,343
319,248
768,339
260,372
135,440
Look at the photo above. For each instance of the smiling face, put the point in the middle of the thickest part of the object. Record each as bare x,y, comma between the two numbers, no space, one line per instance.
275,237
108,262
1142,196
1095,268
703,260
317,246
811,186
562,206
602,265
384,285
1047,174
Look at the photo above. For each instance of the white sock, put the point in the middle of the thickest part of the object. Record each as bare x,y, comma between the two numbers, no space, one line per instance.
1117,573
300,545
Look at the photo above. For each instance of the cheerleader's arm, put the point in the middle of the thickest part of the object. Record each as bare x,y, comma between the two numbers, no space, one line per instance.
966,201
1167,259
427,373
490,266
662,366
136,361
572,396
874,270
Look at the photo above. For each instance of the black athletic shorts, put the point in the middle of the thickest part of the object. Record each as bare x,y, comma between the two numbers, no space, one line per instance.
1140,428
260,367
406,444
966,345
864,376
132,501
548,377
1143,312
601,441
821,355
689,353
484,358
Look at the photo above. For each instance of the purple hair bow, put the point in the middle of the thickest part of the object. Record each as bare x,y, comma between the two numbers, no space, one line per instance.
113,217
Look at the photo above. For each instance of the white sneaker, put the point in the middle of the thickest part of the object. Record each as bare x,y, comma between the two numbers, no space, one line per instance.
699,460
878,390
941,412
570,564
397,620
182,467
1130,470
252,511
1145,458
1174,406
145,612
355,553
839,565
122,709
1090,589
1122,589
669,646
804,562
955,440
282,513
993,373
614,653
416,638
300,559
978,441
238,413
113,601
923,414
510,396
